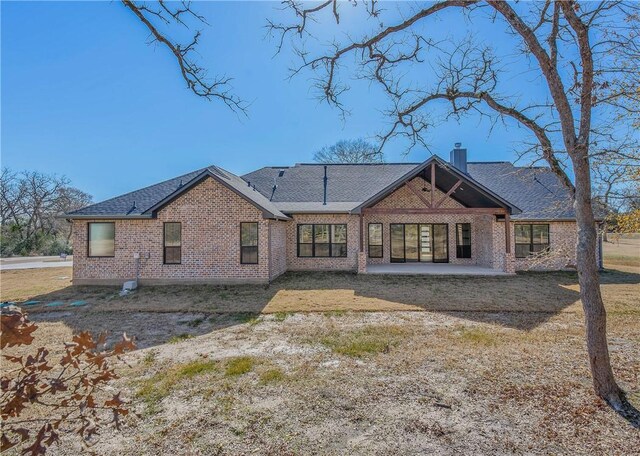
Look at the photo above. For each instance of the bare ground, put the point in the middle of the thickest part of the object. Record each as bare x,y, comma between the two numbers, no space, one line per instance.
460,366
440,384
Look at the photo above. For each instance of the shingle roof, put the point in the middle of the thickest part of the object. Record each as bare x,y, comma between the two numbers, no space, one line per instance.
537,192
142,203
303,183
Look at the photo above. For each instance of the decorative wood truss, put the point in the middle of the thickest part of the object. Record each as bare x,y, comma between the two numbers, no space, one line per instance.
431,206
431,203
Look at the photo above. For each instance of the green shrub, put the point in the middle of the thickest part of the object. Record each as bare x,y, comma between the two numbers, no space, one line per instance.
239,366
274,375
248,317
282,316
477,336
365,341
179,338
149,358
154,389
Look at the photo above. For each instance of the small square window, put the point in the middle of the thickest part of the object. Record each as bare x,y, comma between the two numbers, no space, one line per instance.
531,239
102,239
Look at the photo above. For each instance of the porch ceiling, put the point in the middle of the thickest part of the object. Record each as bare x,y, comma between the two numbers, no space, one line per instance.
455,184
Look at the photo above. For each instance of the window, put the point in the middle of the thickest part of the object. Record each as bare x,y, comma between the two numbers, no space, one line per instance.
463,240
102,239
339,240
322,240
249,243
172,243
531,239
375,240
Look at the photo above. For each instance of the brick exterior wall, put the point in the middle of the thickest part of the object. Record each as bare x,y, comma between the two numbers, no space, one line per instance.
562,255
210,214
278,248
350,262
403,197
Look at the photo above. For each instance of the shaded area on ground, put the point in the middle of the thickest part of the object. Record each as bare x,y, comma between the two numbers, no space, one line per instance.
156,314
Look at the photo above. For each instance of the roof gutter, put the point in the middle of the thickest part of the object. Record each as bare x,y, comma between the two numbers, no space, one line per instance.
104,217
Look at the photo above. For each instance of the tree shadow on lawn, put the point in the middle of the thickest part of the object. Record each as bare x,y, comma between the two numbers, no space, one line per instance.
155,315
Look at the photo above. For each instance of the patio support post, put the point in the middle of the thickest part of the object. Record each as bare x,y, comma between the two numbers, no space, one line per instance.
362,255
507,232
509,257
361,233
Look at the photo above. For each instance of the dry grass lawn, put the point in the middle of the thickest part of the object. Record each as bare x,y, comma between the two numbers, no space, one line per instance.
622,250
439,365
23,284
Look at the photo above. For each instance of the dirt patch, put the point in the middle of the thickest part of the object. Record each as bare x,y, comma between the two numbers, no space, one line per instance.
444,385
477,366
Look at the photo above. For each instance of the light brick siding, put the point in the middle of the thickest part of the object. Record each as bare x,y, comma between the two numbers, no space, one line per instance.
278,248
404,198
478,238
350,262
562,245
210,214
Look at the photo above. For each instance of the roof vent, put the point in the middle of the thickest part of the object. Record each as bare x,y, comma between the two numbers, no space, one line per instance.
180,184
133,208
324,198
458,157
248,183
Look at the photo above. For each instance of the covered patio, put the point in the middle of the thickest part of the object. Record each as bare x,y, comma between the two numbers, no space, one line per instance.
434,217
432,269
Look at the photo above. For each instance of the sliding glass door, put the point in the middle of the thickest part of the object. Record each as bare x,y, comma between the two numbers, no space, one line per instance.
440,243
425,242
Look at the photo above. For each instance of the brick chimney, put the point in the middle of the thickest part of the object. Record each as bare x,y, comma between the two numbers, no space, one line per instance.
458,157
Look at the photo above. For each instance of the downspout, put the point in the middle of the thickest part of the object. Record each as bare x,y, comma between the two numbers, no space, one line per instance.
269,252
600,259
324,199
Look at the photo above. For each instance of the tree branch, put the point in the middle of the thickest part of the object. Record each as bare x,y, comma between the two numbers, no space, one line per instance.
192,73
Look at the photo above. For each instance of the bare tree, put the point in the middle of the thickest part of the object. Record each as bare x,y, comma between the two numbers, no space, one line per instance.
614,182
160,16
349,151
568,48
29,205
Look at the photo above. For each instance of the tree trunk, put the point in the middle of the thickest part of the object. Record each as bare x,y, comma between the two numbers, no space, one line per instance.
595,314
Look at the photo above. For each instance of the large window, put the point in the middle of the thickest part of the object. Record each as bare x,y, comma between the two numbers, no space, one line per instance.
249,243
375,240
531,239
463,240
102,239
172,243
315,240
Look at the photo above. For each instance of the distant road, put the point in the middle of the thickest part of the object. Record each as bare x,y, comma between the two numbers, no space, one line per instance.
35,262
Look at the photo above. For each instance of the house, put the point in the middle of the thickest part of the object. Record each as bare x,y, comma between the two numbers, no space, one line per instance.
212,226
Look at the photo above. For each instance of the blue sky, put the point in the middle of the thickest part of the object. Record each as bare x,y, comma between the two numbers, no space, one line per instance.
83,95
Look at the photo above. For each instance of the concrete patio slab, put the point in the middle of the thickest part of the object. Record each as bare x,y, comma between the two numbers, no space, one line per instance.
432,269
